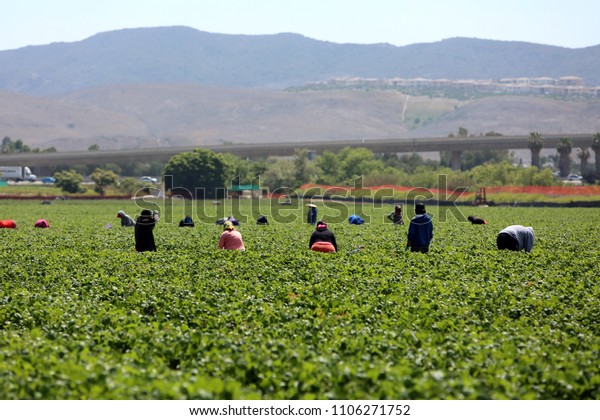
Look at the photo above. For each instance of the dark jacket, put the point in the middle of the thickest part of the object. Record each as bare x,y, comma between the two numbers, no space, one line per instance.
420,230
144,237
476,220
187,221
322,236
311,216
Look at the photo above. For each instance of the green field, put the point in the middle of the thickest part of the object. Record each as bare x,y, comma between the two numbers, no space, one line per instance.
83,316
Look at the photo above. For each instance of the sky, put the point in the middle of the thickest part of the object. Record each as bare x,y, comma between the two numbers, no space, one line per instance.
571,24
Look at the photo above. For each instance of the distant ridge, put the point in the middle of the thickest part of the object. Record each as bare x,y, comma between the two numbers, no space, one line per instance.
179,86
185,55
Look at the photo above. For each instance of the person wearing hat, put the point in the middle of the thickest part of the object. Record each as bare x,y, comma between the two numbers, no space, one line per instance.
126,220
396,215
144,226
516,238
311,216
420,230
322,239
231,238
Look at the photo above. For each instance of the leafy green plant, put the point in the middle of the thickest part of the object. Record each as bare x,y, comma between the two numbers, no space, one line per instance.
83,316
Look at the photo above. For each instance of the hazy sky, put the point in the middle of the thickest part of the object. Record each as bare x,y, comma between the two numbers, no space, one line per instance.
572,23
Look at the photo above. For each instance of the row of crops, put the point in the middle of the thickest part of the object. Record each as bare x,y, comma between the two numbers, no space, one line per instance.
83,316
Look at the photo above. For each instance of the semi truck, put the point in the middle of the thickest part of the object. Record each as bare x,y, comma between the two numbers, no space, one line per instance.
17,173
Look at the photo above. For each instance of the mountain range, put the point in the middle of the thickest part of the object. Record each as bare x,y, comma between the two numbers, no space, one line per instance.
181,86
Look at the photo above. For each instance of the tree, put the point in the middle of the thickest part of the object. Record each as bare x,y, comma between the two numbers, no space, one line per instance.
130,186
535,144
596,149
69,181
279,175
94,148
564,161
463,132
199,174
471,159
583,155
356,162
304,169
17,146
329,168
103,178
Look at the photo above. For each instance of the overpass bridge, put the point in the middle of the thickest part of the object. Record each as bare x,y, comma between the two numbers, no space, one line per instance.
456,145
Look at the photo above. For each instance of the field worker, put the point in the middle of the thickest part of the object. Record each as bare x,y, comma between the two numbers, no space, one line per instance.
8,224
41,223
231,238
355,219
516,238
187,221
233,221
125,219
396,215
144,226
311,216
322,239
228,219
420,230
476,220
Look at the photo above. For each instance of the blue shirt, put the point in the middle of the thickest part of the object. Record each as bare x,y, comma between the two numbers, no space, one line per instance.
420,230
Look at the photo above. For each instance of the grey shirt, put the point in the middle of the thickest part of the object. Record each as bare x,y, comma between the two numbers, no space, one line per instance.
524,235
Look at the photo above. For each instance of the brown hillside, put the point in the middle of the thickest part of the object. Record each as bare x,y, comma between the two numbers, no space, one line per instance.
131,116
518,115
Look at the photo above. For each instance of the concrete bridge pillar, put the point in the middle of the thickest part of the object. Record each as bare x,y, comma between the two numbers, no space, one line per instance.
455,160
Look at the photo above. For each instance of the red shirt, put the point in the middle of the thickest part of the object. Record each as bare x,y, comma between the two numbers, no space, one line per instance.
10,224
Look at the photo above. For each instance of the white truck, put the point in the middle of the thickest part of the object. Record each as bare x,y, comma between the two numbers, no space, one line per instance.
17,173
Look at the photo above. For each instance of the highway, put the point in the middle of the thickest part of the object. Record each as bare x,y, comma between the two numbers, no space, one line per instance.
454,144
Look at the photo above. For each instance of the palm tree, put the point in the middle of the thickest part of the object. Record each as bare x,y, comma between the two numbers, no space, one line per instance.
583,155
565,145
596,149
535,144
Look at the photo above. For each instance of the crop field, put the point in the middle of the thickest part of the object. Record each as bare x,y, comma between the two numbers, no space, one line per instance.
83,316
